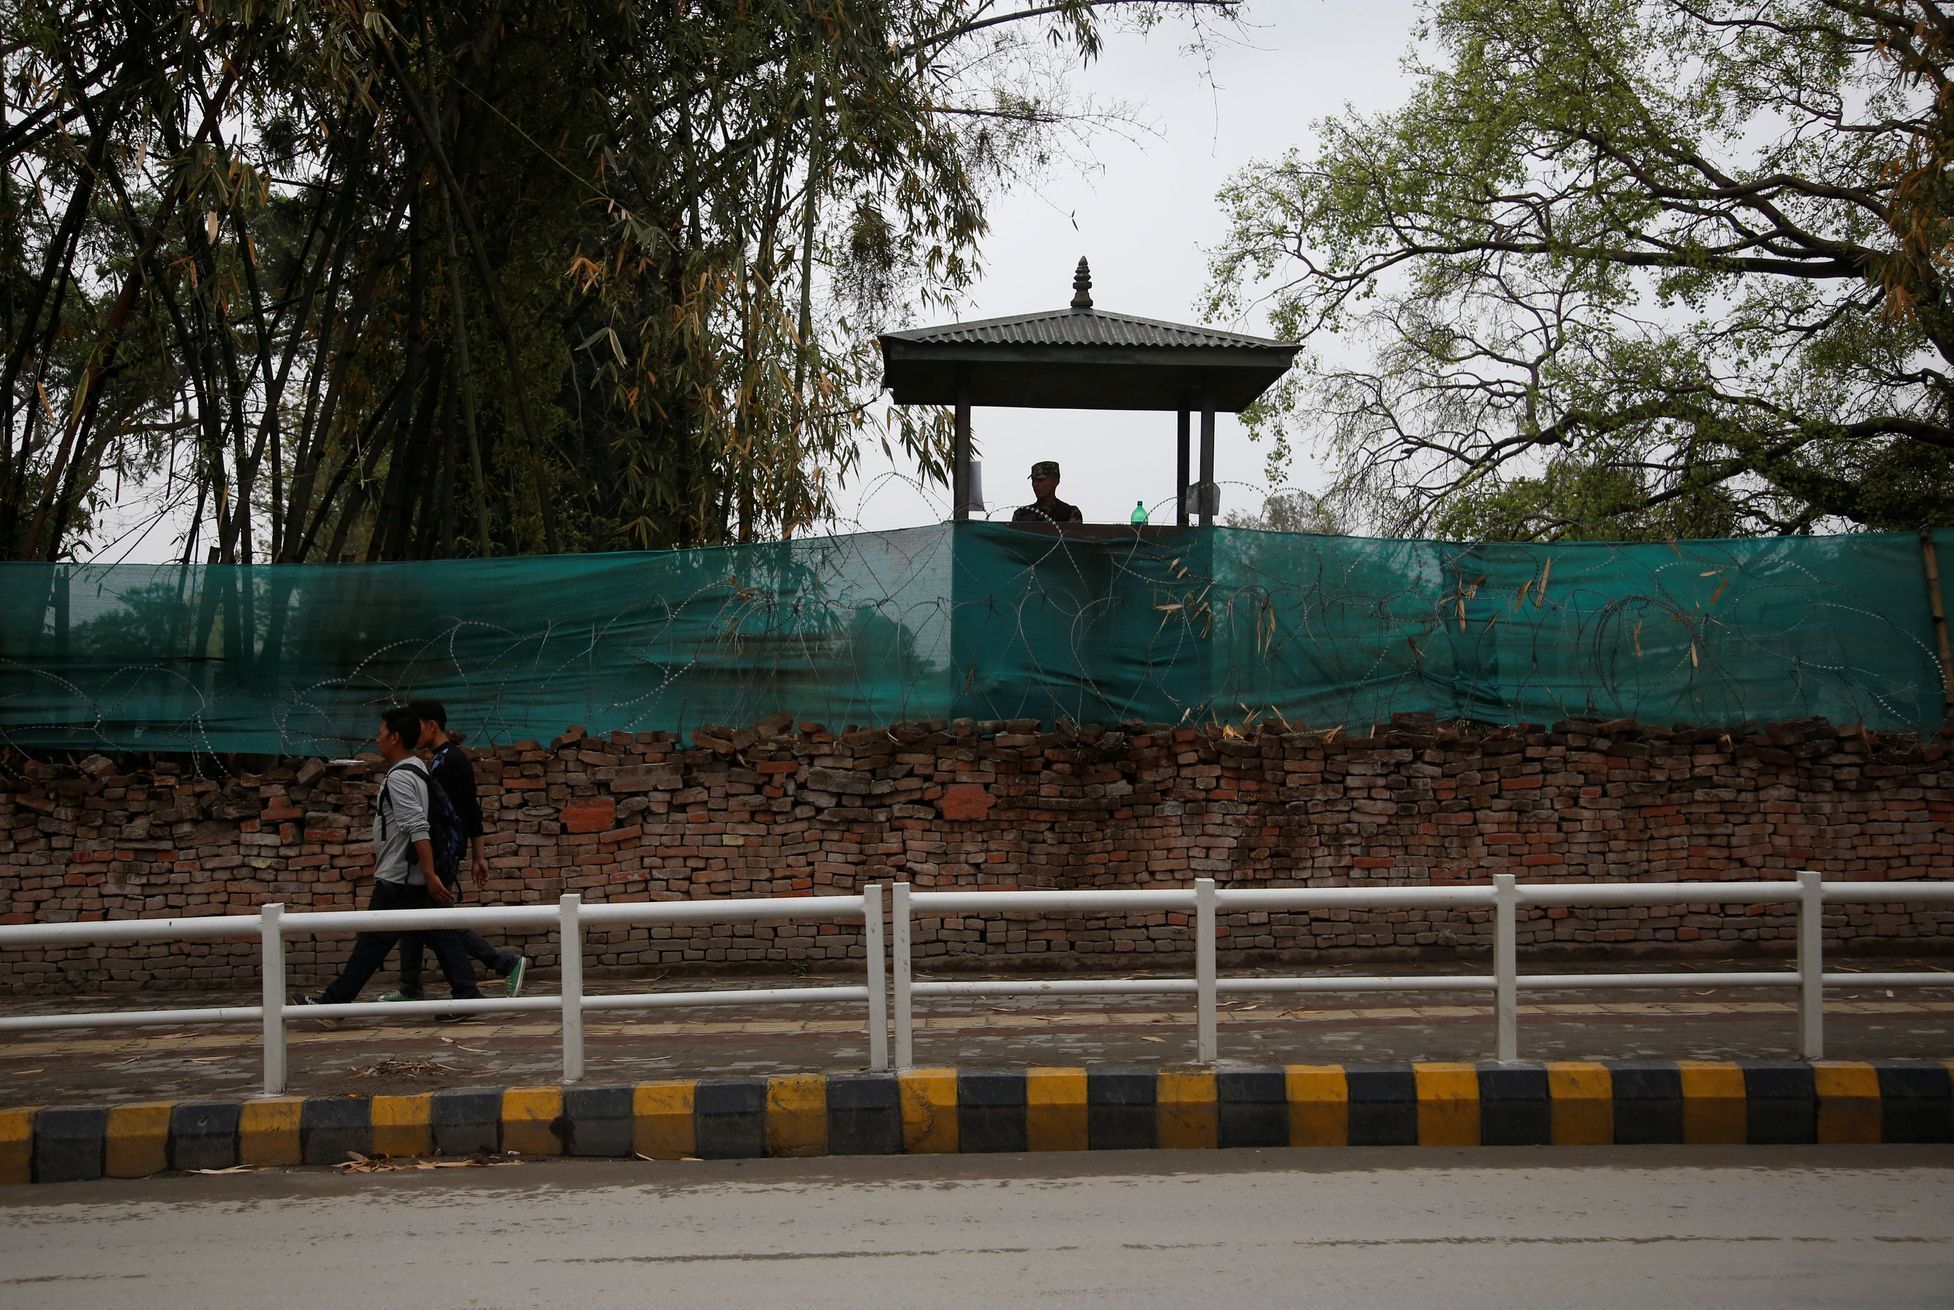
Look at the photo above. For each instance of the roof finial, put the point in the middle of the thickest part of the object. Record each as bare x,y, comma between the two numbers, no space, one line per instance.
1082,286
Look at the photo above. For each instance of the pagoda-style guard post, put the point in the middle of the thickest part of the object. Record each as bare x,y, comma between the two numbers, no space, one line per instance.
1084,357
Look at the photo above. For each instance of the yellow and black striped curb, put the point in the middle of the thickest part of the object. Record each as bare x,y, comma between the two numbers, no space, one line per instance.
921,1111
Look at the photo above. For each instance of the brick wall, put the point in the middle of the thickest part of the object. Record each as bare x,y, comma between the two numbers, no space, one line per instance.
797,810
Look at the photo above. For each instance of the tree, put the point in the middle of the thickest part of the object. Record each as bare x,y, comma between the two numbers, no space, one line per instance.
395,279
1634,268
1289,511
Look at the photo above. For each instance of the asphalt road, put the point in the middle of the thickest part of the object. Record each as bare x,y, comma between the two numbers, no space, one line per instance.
1646,1226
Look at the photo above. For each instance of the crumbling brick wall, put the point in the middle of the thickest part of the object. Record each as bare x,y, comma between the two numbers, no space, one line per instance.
797,810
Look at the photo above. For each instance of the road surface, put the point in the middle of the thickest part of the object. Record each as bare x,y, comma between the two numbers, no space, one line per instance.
1646,1226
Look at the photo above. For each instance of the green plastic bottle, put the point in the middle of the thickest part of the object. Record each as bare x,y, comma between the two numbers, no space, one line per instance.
1139,512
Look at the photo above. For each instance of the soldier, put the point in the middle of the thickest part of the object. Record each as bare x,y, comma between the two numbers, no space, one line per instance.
1047,508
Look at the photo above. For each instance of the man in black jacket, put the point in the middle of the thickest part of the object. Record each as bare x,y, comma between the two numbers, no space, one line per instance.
450,768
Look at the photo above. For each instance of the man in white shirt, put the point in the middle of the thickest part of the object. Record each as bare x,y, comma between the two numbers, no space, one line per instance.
455,776
404,877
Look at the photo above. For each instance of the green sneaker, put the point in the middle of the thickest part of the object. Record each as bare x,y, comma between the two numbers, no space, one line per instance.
401,996
515,975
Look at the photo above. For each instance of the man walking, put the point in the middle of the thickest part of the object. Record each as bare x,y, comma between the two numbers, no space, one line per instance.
404,876
456,777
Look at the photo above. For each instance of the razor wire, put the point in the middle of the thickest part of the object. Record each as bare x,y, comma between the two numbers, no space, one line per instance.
987,621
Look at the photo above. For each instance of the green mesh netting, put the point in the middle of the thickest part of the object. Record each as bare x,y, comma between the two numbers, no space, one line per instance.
977,619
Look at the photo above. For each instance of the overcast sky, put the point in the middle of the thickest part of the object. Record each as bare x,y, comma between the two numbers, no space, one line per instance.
1145,221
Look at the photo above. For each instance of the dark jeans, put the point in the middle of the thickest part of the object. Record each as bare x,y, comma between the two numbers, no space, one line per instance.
500,962
370,949
473,944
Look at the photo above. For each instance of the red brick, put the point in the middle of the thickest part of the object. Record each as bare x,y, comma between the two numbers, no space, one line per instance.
966,801
590,816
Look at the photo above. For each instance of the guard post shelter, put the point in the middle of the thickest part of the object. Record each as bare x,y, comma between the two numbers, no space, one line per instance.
1081,357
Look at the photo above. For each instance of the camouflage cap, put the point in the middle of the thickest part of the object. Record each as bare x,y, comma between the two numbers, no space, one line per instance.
1045,468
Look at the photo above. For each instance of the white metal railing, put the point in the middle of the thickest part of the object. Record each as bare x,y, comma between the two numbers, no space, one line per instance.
1505,896
1204,901
569,916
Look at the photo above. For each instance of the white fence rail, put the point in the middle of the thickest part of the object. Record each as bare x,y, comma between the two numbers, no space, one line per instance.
1205,902
569,916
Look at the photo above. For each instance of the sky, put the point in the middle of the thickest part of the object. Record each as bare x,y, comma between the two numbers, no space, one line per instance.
1145,220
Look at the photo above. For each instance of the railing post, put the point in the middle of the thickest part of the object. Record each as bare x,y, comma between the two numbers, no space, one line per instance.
571,955
899,951
1811,965
1206,1045
1506,967
271,969
878,993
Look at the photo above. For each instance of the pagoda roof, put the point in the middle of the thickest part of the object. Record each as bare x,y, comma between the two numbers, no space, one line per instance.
1081,357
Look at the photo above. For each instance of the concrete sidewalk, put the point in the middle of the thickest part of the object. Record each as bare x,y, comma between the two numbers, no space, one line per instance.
193,1062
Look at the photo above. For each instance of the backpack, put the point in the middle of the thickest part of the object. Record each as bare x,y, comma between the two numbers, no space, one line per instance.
444,832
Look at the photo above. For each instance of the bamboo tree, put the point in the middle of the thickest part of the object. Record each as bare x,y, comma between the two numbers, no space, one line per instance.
369,258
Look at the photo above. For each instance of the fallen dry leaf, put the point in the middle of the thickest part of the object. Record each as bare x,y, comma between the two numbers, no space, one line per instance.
234,1169
403,1069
